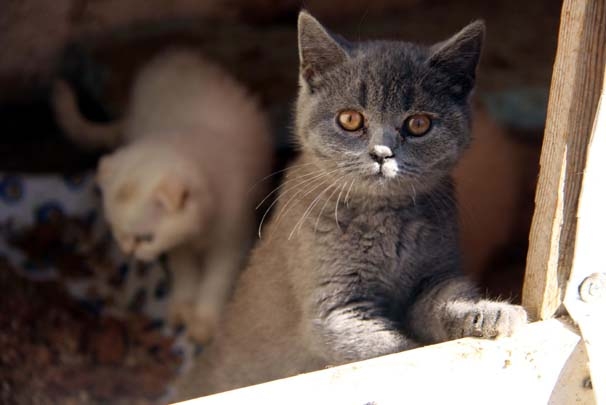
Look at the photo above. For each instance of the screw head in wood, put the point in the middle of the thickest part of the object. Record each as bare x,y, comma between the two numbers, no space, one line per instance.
593,288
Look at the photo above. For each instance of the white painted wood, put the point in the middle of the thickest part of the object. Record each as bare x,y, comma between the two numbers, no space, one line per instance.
572,386
589,252
523,369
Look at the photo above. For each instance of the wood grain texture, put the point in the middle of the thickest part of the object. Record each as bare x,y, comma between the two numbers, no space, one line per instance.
575,89
541,364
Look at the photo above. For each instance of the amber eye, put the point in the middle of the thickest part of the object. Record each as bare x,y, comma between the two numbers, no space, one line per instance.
350,120
418,124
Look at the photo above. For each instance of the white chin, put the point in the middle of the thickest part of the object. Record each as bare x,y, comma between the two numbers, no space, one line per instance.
376,168
389,169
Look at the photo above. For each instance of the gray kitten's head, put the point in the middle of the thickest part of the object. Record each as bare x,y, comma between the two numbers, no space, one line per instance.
385,113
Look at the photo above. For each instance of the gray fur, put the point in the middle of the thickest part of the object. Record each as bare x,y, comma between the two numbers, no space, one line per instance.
356,265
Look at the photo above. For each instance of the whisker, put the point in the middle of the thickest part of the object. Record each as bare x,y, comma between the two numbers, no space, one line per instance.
294,228
443,200
337,207
317,198
322,210
310,185
313,179
284,183
313,203
348,190
307,190
284,209
276,173
349,165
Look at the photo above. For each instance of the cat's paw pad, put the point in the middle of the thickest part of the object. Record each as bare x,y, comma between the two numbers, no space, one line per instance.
484,319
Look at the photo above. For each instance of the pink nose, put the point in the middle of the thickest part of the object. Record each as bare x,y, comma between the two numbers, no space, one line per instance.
380,153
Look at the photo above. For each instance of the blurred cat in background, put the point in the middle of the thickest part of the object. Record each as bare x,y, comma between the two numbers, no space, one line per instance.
189,150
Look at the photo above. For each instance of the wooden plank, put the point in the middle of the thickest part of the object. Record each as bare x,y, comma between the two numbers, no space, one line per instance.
589,308
527,368
574,384
575,88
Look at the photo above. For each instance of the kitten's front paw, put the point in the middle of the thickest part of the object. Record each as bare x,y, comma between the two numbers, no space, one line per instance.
179,312
484,319
202,324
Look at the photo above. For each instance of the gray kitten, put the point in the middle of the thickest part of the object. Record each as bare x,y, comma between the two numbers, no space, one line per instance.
361,258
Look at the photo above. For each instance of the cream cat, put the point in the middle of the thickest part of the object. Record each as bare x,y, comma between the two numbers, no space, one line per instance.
195,144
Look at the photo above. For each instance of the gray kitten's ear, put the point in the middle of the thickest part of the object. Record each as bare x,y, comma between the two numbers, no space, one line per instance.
318,50
460,54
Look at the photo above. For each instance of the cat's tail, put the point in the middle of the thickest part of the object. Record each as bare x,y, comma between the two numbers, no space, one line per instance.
88,134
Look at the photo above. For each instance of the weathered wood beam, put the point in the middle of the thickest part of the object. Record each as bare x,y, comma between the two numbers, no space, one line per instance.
543,363
575,89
